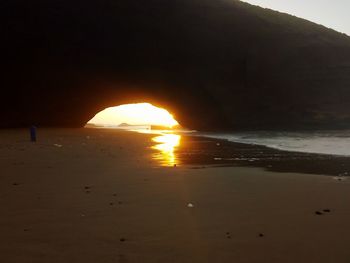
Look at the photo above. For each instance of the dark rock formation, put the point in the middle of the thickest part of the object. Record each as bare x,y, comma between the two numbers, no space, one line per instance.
216,64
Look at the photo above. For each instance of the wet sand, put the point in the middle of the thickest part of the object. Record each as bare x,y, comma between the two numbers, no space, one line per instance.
208,151
90,195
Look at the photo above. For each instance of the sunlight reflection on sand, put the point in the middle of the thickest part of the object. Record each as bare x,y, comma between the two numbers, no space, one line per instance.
166,145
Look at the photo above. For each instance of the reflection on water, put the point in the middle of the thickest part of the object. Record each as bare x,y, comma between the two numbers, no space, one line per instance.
166,144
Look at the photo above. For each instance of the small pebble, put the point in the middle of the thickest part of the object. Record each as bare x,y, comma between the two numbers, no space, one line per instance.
111,203
261,235
122,240
326,210
318,213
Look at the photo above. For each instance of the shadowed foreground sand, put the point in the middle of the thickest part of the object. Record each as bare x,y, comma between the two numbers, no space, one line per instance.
102,199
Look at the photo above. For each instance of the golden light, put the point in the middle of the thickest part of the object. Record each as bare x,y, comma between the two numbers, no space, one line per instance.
166,145
134,114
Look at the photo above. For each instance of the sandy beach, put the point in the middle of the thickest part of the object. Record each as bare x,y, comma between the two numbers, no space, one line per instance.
92,195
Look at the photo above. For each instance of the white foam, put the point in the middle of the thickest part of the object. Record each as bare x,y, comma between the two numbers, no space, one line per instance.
322,142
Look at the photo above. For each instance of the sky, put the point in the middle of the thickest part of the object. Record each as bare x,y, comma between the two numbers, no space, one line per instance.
330,13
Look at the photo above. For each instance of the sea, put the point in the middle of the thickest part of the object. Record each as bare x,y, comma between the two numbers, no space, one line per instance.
329,142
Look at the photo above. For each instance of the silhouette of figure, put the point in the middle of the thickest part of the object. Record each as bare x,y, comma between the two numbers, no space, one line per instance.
33,133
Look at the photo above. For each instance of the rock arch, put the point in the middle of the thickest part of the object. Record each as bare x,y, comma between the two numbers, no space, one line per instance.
216,64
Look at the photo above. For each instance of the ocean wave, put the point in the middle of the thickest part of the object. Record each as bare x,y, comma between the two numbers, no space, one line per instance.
321,142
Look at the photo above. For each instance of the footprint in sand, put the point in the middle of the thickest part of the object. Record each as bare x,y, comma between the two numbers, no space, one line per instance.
326,210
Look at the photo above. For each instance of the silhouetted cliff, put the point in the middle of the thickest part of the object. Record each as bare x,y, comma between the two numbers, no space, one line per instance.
214,63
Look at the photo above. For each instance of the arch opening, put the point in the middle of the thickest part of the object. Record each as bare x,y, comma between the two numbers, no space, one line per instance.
146,118
134,115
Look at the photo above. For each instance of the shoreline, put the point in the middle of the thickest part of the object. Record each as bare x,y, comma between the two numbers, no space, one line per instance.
197,151
229,153
280,149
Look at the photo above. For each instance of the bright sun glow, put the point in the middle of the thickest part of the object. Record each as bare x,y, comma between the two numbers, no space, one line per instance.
134,114
166,145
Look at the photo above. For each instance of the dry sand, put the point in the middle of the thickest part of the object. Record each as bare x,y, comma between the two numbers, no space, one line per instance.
103,199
